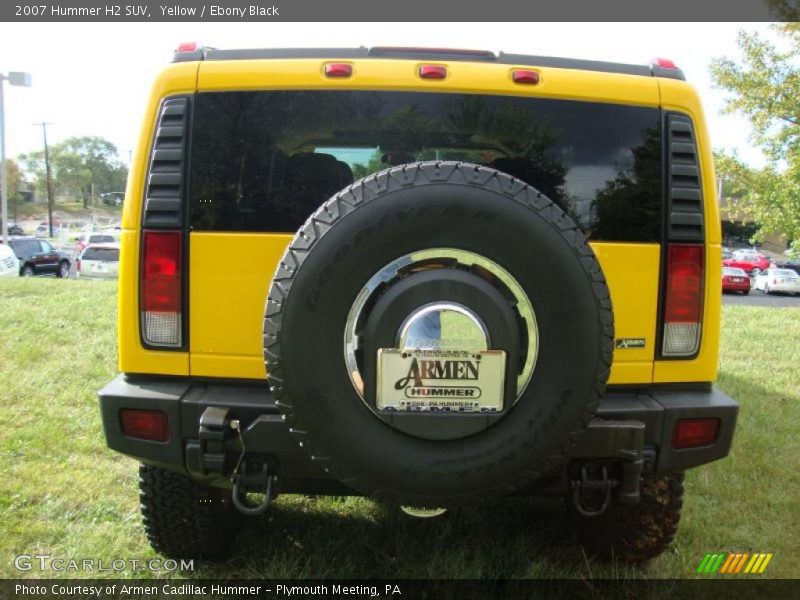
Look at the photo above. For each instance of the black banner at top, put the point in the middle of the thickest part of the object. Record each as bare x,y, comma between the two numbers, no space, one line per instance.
406,10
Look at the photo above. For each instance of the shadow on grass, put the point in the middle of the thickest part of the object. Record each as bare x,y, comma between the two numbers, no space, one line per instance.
337,537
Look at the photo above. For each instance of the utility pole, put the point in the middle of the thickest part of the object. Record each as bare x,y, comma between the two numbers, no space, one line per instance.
49,178
21,79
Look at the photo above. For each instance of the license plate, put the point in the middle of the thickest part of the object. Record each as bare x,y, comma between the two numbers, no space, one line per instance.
736,279
446,381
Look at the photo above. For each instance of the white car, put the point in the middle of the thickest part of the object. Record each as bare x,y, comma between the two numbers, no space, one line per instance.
99,261
778,280
9,264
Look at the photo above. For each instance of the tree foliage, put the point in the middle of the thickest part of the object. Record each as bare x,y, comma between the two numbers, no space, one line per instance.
76,164
765,87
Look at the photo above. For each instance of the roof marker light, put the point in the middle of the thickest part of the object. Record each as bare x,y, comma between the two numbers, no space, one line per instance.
525,76
187,47
338,70
432,71
664,63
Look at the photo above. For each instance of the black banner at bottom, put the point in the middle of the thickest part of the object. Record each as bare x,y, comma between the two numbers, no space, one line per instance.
221,589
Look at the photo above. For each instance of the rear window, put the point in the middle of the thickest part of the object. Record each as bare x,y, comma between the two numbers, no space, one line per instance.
264,161
732,271
102,254
101,239
785,273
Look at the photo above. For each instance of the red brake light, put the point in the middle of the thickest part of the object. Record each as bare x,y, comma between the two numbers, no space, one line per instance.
525,76
338,69
145,424
693,433
433,72
684,284
683,303
187,47
664,63
161,287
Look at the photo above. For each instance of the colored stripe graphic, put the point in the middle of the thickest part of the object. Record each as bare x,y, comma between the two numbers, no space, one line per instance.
703,563
734,563
727,564
765,563
741,562
730,564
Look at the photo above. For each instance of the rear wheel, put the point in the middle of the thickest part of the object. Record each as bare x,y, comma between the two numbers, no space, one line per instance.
184,519
27,271
63,269
745,292
640,532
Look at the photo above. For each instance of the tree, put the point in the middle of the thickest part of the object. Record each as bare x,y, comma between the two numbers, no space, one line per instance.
765,87
76,164
16,184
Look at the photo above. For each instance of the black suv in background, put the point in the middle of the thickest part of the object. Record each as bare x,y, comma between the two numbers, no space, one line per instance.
38,257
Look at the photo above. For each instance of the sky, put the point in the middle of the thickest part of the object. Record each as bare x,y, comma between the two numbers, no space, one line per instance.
94,78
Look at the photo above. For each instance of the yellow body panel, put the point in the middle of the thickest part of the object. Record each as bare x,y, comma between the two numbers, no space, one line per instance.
631,272
230,272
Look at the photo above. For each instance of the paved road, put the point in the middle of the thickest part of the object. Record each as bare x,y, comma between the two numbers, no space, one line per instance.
759,298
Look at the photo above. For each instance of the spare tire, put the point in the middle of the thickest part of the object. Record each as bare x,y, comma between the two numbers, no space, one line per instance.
464,242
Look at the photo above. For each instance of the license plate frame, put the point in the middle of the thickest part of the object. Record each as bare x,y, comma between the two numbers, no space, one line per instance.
440,381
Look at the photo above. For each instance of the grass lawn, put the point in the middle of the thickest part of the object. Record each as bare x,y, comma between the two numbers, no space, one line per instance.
64,494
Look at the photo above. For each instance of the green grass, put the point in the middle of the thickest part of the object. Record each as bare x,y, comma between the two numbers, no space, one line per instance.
64,494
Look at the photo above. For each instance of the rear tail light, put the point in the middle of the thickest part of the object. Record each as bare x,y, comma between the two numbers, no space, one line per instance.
160,301
693,433
683,306
145,424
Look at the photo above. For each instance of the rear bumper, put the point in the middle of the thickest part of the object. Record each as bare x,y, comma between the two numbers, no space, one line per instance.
624,420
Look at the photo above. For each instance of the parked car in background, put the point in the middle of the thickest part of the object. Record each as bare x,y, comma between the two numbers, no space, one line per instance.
100,261
778,280
9,264
752,263
735,280
42,231
794,265
93,238
15,229
113,198
38,257
726,252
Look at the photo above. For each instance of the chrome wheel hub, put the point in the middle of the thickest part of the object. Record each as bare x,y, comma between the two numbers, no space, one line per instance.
442,325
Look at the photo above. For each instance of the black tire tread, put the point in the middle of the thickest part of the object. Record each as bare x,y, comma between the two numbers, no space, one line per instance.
373,187
641,532
184,519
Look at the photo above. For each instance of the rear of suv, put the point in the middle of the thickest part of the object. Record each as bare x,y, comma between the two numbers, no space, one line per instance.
431,277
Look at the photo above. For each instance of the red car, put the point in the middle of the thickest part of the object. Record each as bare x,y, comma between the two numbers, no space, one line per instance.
735,280
747,261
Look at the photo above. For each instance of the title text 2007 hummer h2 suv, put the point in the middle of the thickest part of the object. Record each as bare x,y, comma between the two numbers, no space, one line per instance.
425,276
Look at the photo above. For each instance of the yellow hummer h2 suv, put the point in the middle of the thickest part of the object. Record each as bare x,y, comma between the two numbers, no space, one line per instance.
427,276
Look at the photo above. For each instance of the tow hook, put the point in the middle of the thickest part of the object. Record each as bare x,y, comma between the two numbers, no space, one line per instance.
591,494
254,477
